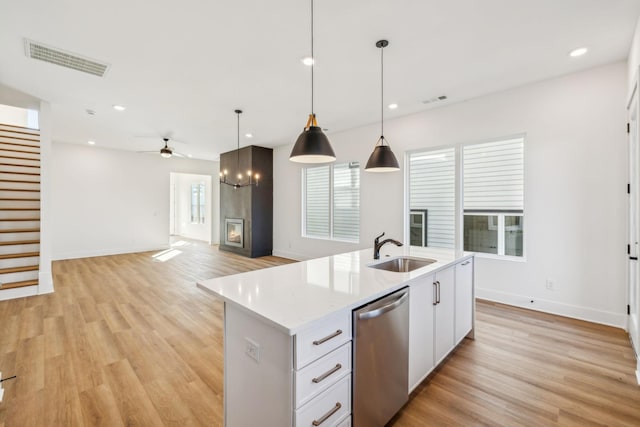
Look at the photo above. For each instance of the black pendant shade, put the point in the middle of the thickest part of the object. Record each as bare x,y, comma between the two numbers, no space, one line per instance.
382,160
312,146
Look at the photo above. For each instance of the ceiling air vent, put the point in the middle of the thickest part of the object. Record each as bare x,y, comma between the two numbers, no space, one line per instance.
57,56
436,99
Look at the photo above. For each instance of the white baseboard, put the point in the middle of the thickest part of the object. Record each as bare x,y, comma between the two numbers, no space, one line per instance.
637,376
290,255
27,291
45,282
107,252
618,320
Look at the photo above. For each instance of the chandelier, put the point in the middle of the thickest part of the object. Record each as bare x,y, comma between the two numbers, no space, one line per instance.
241,181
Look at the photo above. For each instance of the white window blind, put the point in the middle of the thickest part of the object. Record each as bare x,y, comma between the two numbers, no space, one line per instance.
432,187
494,176
346,201
332,201
317,201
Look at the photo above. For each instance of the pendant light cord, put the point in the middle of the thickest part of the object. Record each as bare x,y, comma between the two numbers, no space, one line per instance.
382,95
313,59
238,133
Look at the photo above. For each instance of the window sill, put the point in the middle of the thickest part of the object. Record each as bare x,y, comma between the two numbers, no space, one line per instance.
501,257
331,239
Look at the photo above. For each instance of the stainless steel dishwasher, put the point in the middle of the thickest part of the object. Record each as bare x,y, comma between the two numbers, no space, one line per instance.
380,359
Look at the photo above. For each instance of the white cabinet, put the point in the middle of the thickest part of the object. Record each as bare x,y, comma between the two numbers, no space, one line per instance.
465,307
444,313
440,315
421,297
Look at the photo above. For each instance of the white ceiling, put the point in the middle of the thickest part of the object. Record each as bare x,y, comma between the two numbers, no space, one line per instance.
182,67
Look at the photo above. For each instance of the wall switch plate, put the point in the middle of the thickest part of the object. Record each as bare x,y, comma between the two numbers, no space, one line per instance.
252,349
551,284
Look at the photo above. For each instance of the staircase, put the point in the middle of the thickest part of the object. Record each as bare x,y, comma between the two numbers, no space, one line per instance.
19,206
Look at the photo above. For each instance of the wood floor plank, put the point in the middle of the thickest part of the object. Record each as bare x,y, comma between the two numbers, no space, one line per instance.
130,340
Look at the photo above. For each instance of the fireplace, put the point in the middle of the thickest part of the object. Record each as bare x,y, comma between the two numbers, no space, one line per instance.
234,232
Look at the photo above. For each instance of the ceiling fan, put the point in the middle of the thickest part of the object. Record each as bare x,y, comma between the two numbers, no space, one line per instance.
165,151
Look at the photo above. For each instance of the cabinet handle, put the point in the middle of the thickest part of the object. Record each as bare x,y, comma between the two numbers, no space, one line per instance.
465,263
326,374
438,282
327,415
328,337
435,293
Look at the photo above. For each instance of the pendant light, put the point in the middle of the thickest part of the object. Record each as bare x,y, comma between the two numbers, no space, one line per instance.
312,146
382,159
253,177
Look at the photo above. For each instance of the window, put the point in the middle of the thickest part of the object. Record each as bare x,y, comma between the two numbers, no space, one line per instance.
491,197
493,202
432,198
198,203
332,201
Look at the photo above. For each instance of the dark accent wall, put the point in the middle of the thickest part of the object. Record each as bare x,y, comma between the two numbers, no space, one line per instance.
253,204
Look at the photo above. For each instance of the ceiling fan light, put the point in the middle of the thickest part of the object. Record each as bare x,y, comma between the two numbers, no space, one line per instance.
165,152
312,146
382,160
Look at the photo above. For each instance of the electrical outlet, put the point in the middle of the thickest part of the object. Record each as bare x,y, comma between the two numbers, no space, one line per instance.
252,349
551,284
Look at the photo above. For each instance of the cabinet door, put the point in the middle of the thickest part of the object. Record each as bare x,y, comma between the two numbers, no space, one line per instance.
464,299
444,313
421,299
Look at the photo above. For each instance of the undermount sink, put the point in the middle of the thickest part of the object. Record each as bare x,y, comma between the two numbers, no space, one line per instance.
403,264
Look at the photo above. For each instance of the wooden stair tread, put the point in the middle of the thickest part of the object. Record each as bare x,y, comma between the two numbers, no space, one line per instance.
18,158
17,199
19,166
21,230
19,219
18,284
19,209
20,173
33,130
19,269
17,137
18,151
17,144
20,255
21,181
19,189
20,242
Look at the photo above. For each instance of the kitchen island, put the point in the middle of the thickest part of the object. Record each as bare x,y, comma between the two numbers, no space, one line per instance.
288,330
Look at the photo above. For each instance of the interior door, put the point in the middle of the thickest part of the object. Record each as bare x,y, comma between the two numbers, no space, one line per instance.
634,236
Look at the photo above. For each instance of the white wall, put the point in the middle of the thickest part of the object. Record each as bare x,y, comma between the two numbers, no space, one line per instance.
575,177
634,59
183,226
110,201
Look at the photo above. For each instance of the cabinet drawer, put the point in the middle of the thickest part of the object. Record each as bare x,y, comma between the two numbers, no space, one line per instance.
322,373
328,334
329,408
346,422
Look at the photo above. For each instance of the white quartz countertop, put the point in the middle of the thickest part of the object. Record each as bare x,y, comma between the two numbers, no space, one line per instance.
292,296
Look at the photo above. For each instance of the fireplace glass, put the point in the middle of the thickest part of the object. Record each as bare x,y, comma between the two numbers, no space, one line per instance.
234,232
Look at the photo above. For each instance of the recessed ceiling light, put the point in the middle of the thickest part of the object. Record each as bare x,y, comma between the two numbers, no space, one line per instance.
393,106
91,142
189,156
90,112
119,107
248,135
308,61
578,52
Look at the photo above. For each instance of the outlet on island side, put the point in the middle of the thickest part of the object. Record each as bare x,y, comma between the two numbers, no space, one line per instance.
252,349
551,284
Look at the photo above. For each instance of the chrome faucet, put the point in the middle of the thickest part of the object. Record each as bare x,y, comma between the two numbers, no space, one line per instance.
377,244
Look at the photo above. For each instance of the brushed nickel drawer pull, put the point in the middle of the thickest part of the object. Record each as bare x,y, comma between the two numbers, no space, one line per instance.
465,263
327,338
326,374
327,415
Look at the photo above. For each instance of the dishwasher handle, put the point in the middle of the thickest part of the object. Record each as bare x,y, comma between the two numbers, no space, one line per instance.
384,309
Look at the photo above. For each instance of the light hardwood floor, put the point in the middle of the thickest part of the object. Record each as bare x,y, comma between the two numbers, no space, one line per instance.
129,340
